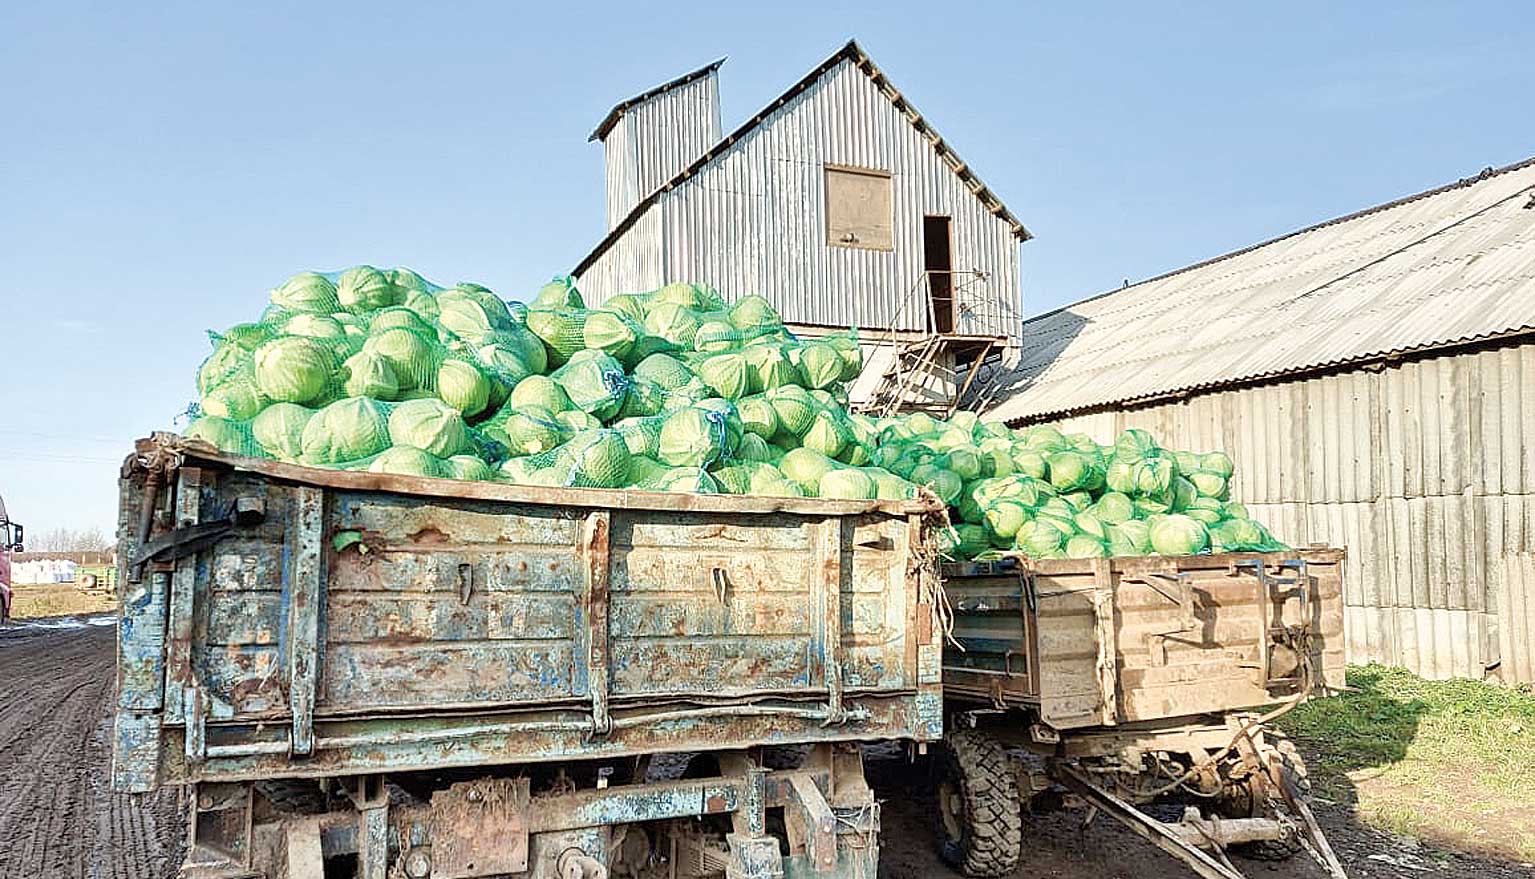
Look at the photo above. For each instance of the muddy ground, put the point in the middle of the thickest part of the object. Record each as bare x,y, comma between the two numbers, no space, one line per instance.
59,818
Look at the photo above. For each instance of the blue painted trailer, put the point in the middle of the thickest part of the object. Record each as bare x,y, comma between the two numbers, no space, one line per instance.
438,678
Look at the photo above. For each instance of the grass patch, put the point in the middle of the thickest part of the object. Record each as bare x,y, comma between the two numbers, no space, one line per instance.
1449,762
36,600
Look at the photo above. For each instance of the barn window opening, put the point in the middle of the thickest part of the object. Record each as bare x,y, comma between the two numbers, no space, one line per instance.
938,266
858,208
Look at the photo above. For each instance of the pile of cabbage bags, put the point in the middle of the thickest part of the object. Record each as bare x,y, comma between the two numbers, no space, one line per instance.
672,390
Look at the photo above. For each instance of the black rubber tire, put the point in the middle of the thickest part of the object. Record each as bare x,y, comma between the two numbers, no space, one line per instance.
979,815
1293,766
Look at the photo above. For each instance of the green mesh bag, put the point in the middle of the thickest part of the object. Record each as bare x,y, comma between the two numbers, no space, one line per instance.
294,369
675,323
595,383
409,461
364,288
795,408
728,375
430,425
346,430
279,430
472,316
692,480
233,437
541,391
626,305
413,356
559,293
611,333
642,435
563,331
307,292
663,369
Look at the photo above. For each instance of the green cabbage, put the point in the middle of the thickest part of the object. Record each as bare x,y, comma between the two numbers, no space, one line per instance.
461,385
795,409
821,365
224,435
1177,534
754,312
307,292
237,400
828,433
594,382
346,430
315,326
806,467
540,391
559,293
728,375
412,356
597,459
675,323
366,374
1082,546
365,288
409,461
470,317
848,484
294,369
698,436
563,331
430,425
611,333
279,429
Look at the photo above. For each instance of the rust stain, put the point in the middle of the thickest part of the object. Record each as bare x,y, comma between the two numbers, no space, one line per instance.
429,535
715,804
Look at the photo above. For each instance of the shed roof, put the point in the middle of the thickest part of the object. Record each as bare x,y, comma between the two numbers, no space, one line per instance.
1445,267
622,107
850,52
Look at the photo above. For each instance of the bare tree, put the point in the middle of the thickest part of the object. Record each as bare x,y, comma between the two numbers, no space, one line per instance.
69,540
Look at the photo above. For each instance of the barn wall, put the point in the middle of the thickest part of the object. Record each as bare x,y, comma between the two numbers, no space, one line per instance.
653,141
1424,471
754,221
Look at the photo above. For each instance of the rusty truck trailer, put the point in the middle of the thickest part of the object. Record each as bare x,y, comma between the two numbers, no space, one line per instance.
436,678
1136,680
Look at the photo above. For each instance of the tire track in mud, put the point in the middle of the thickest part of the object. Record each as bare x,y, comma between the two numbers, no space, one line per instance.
58,814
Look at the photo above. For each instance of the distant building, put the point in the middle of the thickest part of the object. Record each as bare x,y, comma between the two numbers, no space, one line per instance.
838,202
1373,377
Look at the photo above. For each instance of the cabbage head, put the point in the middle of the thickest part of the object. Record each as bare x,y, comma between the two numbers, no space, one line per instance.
728,375
1243,535
560,292
410,461
754,313
365,288
697,436
463,386
805,467
846,483
1113,507
821,365
1218,463
828,433
673,322
470,317
1177,534
1083,546
366,374
346,430
294,369
626,305
1132,537
430,425
541,391
795,408
1004,518
402,317
279,429
595,382
225,435
237,400
315,326
563,332
611,333
413,358
307,292
1070,471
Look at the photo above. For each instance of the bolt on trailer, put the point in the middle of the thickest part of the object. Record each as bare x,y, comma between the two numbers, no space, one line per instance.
399,676
1132,681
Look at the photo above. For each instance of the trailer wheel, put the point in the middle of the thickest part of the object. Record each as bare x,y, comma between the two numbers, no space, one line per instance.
1293,767
980,822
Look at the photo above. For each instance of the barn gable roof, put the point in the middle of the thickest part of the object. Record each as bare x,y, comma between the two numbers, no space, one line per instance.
1445,267
622,107
860,59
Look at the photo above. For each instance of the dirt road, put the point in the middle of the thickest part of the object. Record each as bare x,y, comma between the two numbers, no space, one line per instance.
60,820
58,815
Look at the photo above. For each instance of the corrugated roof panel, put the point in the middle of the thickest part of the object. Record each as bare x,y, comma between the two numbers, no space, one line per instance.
1447,266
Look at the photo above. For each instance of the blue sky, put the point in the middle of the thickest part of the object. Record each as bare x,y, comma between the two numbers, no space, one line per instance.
163,165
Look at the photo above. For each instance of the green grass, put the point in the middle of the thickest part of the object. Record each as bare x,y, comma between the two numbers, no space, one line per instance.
1450,762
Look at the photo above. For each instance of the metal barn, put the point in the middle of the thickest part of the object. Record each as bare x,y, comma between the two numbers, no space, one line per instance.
838,202
1373,377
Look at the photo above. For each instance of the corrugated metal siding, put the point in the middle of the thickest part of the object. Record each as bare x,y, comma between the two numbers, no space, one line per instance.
1453,266
653,141
1424,471
753,221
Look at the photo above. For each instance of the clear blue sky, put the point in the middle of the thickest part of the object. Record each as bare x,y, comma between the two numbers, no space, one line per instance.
163,165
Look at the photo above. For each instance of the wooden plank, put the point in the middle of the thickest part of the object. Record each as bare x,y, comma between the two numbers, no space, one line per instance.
304,594
1107,641
592,498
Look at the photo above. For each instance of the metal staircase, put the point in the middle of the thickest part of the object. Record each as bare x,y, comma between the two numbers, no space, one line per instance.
931,371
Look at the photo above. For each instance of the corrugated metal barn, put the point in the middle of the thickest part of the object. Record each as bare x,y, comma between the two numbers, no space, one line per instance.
838,202
1373,377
